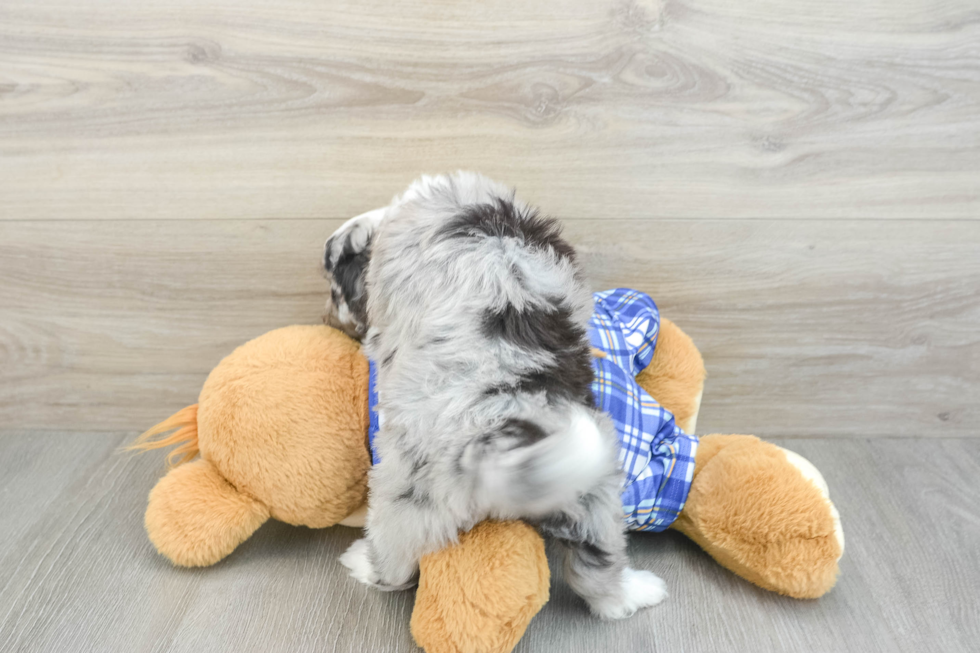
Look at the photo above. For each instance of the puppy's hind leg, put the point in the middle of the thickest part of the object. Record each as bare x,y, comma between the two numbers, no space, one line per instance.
595,556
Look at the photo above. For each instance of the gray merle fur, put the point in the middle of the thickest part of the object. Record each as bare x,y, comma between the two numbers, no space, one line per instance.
487,410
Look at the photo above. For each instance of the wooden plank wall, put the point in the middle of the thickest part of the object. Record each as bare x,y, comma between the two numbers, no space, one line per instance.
796,183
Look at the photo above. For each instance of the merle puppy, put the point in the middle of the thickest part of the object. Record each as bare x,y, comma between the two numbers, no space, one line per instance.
475,310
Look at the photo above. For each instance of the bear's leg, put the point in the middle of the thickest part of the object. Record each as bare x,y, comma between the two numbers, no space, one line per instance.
195,517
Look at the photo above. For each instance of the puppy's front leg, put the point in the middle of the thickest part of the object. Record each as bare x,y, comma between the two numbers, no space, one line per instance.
362,561
388,557
403,524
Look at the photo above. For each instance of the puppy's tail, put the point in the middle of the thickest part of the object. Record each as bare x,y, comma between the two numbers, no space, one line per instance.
525,471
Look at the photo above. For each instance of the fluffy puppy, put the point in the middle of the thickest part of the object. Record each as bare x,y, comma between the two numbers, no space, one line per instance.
475,310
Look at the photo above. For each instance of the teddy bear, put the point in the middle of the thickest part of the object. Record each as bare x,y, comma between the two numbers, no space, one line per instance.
283,428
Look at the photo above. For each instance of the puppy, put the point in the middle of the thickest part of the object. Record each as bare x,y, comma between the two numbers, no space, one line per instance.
474,309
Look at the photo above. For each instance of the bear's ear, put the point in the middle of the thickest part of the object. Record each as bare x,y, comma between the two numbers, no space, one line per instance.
195,517
675,375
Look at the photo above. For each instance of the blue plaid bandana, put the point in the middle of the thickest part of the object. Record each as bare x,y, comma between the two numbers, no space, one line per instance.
656,455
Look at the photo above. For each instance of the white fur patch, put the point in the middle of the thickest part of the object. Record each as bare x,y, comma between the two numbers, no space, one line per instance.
641,589
343,313
588,453
369,221
356,519
356,559
692,423
813,475
359,229
565,465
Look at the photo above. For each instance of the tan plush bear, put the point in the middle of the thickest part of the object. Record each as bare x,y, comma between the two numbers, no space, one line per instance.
280,431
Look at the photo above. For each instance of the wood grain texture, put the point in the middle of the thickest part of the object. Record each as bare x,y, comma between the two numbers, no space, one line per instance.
611,109
831,328
796,183
78,574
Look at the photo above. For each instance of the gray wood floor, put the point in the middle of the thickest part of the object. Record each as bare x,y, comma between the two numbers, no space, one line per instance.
78,574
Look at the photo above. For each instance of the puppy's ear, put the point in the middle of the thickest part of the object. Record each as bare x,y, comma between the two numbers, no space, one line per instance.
326,265
345,266
345,260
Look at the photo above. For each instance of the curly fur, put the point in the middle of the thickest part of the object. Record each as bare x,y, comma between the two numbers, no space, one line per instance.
476,313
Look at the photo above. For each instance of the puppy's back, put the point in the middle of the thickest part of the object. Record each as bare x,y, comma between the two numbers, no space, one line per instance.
463,274
478,313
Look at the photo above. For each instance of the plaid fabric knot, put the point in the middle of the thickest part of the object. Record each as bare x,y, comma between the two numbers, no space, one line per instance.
657,456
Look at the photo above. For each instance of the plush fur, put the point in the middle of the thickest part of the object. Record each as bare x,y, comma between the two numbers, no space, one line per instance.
477,315
753,511
480,594
196,517
751,508
276,420
307,384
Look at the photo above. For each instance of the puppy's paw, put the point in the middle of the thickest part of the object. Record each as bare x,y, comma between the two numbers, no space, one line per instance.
640,589
643,588
353,238
357,558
